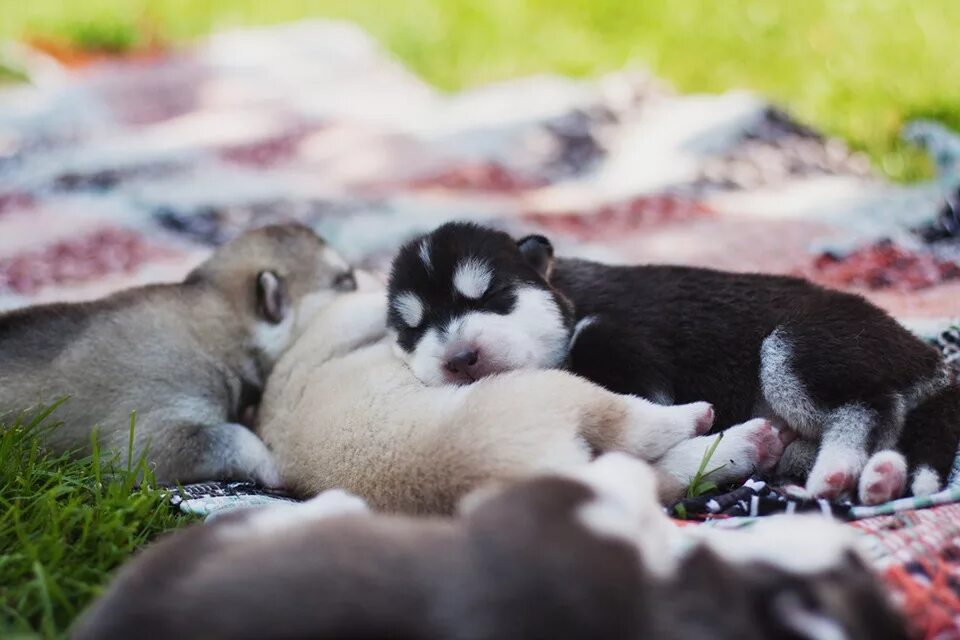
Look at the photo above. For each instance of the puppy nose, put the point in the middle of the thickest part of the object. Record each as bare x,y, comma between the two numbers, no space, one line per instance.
463,362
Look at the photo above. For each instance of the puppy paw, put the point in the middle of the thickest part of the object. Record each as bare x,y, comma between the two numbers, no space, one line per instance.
246,456
706,415
834,473
795,491
268,475
656,428
883,479
925,482
761,443
743,449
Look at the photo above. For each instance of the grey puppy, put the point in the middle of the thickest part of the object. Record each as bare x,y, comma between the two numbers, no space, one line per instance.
190,358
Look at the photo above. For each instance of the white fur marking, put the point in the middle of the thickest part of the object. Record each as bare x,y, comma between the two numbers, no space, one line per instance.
424,251
783,390
581,325
274,339
800,544
807,624
426,360
926,481
472,278
410,308
661,397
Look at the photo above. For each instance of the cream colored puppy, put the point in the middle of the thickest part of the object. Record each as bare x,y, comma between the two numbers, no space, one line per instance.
341,410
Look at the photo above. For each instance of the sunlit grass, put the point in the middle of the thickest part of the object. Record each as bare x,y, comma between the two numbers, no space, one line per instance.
854,68
65,524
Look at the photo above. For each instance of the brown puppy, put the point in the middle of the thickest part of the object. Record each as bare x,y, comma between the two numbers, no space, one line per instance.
588,554
189,358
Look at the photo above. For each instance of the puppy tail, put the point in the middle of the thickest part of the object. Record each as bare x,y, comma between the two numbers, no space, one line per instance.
929,440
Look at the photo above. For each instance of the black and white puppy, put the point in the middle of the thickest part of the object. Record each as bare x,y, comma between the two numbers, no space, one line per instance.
584,555
868,400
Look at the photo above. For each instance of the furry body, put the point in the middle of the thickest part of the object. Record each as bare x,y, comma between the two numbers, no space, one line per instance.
189,358
341,411
841,373
588,554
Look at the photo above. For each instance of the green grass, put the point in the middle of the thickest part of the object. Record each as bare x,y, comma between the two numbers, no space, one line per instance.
854,68
700,483
10,75
65,524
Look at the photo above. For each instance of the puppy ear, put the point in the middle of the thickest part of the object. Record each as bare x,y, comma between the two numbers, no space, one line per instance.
271,297
538,252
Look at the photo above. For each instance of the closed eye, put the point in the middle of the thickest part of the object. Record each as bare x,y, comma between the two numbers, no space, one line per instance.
499,300
495,293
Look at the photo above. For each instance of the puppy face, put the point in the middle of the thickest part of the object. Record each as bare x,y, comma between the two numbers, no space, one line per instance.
279,277
467,302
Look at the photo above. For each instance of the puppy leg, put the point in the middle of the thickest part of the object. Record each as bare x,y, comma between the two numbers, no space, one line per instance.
612,422
605,421
754,446
929,439
190,453
524,422
843,451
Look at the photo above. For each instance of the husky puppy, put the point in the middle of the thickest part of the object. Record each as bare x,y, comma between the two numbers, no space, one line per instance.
868,400
586,554
340,410
190,358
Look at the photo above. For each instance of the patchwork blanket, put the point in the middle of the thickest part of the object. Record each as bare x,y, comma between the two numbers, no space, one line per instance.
129,171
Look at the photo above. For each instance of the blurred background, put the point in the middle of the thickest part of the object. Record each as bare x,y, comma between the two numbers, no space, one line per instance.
857,69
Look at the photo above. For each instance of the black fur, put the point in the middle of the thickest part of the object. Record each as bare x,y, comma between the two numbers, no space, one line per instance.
682,334
409,273
691,334
701,330
925,442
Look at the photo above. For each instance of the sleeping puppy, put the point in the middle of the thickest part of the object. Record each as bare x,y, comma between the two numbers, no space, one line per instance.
341,411
868,400
587,554
190,358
